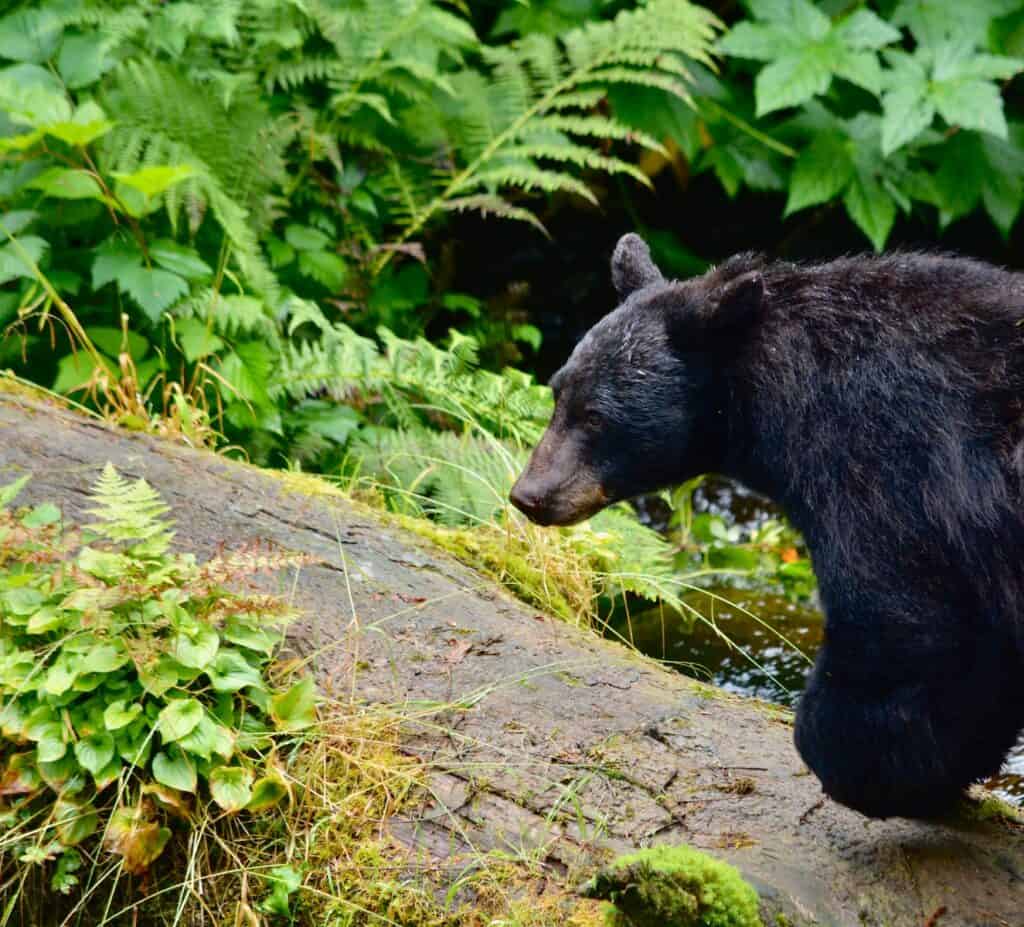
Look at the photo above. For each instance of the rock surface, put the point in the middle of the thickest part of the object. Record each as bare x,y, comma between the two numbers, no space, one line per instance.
541,737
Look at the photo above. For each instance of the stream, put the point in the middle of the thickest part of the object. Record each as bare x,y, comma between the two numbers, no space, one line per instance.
752,642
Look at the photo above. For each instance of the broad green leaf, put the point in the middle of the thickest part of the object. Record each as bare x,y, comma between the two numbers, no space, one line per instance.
304,238
180,259
13,223
67,183
75,370
32,96
84,59
267,792
860,68
62,773
30,35
21,600
326,267
112,341
60,677
88,124
103,564
178,719
284,882
152,181
51,745
16,259
863,29
95,752
907,113
154,290
75,820
119,714
231,787
246,634
870,207
113,260
160,675
21,776
197,648
175,770
758,41
208,737
296,708
108,774
792,80
42,515
196,339
232,671
46,619
971,104
104,658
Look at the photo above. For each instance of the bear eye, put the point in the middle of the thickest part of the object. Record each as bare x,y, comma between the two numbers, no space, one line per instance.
593,420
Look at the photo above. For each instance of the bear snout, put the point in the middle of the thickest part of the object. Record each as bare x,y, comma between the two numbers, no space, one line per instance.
528,500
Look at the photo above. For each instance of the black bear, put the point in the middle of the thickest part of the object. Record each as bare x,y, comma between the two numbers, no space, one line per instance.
879,401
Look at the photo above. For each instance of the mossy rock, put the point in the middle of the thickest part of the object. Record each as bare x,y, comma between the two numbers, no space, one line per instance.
675,887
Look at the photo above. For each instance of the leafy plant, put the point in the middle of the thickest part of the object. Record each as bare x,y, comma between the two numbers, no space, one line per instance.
133,683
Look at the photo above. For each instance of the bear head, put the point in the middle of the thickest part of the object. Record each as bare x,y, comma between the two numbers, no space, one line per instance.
638,405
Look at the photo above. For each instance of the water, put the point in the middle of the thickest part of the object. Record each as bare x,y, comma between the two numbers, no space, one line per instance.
752,643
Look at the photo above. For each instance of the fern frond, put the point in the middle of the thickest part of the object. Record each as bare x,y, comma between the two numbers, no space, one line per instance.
130,511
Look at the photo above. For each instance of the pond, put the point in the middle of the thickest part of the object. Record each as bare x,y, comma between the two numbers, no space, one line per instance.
752,642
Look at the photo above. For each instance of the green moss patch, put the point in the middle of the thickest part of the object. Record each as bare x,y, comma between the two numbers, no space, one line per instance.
674,887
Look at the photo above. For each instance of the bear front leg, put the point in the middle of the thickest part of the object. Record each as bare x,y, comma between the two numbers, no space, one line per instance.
909,748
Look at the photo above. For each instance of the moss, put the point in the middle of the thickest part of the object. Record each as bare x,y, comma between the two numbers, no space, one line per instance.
983,805
677,886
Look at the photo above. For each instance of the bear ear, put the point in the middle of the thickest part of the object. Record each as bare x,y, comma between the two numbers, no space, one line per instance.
632,267
740,302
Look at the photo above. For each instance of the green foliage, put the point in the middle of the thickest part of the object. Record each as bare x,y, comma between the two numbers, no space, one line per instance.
130,679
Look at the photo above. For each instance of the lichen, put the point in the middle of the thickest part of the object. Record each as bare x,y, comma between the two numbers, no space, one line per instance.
674,887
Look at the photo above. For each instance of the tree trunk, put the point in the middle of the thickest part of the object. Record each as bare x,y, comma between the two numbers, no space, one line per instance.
559,741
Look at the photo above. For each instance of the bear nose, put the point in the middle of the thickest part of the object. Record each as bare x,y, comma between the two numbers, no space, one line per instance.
528,501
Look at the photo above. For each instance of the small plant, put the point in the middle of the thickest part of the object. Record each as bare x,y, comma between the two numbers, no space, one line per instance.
675,885
133,683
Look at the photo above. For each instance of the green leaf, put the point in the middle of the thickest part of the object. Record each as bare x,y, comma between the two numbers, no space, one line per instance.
160,675
267,792
29,35
208,737
180,259
792,80
296,708
246,634
866,30
75,370
152,181
870,207
196,339
175,770
75,821
95,752
88,124
21,600
757,41
103,564
154,290
179,719
67,183
84,59
113,260
60,677
907,113
11,491
971,104
231,787
196,648
119,714
42,515
111,341
45,620
233,671
284,882
104,658
51,745
304,238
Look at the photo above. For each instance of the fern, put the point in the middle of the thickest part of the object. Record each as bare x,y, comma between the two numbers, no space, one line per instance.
520,123
130,511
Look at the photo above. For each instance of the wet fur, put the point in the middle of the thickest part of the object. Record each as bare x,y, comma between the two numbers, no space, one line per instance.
878,400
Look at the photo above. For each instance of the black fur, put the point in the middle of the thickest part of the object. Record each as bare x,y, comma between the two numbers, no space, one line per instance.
878,400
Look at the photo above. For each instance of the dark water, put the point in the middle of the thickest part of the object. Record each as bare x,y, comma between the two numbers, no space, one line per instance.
750,642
